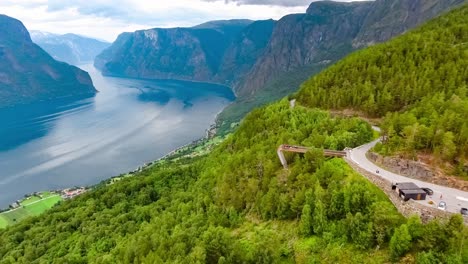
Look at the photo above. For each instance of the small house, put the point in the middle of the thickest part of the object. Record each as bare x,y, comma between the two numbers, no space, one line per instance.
409,190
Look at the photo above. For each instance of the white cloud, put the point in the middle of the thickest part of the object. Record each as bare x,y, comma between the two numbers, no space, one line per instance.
105,19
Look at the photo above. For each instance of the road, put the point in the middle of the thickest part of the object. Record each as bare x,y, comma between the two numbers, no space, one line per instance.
454,198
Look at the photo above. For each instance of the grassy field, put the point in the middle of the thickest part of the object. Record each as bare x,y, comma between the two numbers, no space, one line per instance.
37,204
29,207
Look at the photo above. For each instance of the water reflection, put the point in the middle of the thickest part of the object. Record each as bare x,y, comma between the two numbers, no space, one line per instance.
79,142
24,123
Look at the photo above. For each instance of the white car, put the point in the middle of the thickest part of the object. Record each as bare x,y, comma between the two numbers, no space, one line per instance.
442,206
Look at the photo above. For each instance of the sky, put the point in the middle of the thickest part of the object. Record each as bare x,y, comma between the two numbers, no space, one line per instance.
105,19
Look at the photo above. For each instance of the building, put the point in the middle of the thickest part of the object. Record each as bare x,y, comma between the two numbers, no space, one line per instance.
409,190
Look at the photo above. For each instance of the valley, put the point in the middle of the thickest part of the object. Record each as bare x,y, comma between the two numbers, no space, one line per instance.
92,139
285,174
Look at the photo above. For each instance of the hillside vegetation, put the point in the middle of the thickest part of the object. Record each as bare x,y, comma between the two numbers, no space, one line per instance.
238,205
417,82
301,45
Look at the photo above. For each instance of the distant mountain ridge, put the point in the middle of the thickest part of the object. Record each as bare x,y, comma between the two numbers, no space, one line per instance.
28,73
237,204
70,48
330,30
274,60
208,52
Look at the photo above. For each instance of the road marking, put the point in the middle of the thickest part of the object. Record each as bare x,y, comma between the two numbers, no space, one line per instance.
462,198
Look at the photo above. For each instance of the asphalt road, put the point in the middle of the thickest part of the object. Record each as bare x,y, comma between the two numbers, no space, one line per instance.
454,198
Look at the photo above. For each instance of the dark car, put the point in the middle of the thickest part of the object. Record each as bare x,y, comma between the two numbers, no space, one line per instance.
428,191
464,211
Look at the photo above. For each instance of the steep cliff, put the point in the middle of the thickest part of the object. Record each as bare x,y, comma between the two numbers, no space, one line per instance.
69,48
207,52
266,60
389,18
323,34
244,51
330,30
28,73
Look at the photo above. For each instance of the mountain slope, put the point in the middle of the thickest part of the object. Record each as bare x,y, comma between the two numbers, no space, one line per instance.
320,35
393,17
421,78
267,60
303,44
69,48
216,51
243,51
238,205
28,73
329,30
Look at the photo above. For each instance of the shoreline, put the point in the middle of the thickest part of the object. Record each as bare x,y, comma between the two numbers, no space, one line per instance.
210,132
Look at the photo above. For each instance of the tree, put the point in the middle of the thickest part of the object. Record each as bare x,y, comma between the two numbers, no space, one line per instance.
319,219
306,221
400,242
449,149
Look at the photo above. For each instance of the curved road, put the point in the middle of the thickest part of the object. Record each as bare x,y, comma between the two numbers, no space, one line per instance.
454,198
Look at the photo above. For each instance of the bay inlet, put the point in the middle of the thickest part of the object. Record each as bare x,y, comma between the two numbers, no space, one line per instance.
76,141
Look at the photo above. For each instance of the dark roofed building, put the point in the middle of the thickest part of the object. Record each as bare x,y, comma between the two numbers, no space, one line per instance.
407,186
413,194
409,190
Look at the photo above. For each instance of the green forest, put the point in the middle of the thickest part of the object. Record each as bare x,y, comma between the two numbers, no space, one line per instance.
238,205
418,84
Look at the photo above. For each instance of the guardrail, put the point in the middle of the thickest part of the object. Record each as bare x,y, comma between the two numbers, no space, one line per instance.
302,149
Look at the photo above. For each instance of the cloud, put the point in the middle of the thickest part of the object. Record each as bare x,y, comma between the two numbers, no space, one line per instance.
286,3
268,2
105,19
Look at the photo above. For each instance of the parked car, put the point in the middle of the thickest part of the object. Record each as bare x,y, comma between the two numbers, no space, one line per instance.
464,211
442,206
428,191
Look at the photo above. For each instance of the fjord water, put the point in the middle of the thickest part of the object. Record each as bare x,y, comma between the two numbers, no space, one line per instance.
76,141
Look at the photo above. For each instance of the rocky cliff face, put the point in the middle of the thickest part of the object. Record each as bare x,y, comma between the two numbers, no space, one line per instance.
217,51
417,170
389,18
244,51
323,34
177,53
28,73
265,60
69,48
330,30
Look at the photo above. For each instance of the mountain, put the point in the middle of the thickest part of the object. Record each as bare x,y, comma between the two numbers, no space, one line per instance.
392,17
304,44
416,83
28,73
216,51
274,60
238,205
330,30
243,51
70,48
320,36
227,27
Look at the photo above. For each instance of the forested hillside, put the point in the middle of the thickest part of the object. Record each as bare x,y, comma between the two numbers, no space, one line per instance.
238,205
417,82
301,45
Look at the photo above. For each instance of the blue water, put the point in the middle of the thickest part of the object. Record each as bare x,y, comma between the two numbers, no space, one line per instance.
81,141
